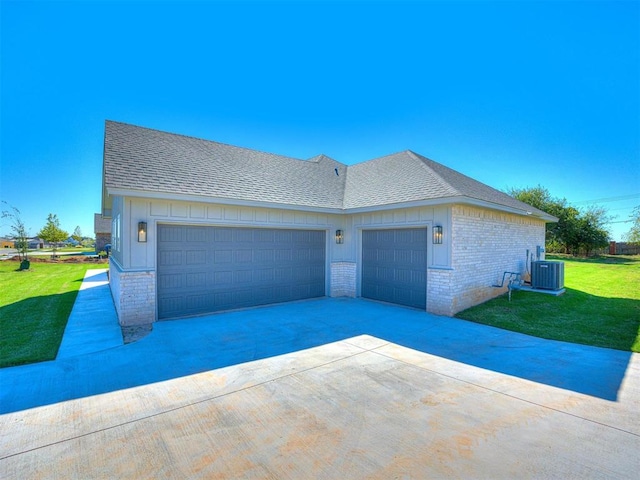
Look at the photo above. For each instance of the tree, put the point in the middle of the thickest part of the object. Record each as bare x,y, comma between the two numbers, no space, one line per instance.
19,229
52,233
633,235
593,231
77,234
540,198
576,231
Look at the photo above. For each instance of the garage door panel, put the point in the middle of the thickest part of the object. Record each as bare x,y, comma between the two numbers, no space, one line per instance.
168,258
170,234
223,277
222,235
394,264
282,237
196,234
196,257
264,256
169,281
283,255
236,267
194,279
265,275
264,236
244,256
243,277
223,256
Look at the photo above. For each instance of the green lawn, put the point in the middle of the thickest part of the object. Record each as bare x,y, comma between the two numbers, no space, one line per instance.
601,305
34,307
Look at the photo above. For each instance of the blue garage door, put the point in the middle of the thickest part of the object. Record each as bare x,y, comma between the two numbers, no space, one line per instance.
208,269
394,266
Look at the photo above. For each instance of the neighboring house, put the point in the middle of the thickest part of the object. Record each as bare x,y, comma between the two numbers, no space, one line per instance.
6,243
36,243
200,226
102,231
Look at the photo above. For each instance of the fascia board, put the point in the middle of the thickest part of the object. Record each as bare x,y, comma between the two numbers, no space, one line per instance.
449,201
375,208
495,206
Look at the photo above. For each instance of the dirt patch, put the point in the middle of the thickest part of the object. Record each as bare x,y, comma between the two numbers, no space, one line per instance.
134,333
62,259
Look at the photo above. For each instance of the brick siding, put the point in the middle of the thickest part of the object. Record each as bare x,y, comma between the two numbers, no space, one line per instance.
486,243
134,295
343,279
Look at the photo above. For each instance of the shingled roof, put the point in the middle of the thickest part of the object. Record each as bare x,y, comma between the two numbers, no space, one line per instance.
139,161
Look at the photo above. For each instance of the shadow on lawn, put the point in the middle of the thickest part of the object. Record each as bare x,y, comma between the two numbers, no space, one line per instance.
183,347
32,328
603,259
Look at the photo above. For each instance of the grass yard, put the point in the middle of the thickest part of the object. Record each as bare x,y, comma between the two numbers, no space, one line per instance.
34,307
601,306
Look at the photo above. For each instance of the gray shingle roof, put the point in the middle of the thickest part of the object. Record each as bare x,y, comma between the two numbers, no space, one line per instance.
145,160
409,177
142,159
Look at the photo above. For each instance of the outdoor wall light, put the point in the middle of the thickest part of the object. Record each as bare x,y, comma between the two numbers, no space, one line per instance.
142,232
437,235
339,236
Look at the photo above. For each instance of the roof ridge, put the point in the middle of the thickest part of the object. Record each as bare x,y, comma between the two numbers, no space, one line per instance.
344,186
423,161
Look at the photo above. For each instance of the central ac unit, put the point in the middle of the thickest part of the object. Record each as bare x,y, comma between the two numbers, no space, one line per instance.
547,275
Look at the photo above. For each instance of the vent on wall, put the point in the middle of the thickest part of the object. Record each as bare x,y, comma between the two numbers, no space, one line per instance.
547,275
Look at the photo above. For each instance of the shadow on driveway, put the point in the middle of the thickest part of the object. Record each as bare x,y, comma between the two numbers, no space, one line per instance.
183,347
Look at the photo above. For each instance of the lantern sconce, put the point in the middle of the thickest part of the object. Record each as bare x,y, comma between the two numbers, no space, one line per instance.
437,235
339,237
142,232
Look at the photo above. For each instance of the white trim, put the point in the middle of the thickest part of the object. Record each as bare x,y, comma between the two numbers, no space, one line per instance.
121,269
461,199
449,201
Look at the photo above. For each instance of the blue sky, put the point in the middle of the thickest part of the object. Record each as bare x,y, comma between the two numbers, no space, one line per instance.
514,94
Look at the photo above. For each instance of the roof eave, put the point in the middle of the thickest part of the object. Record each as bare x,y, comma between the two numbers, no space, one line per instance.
450,201
316,209
155,195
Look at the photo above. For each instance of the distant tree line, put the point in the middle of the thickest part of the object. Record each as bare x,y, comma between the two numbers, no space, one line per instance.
633,235
577,232
51,233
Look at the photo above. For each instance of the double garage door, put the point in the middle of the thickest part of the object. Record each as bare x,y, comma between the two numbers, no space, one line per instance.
206,269
394,266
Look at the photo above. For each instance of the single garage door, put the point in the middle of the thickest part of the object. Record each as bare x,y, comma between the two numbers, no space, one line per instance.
394,266
207,269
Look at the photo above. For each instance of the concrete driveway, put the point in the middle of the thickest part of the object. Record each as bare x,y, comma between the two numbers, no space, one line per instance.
327,388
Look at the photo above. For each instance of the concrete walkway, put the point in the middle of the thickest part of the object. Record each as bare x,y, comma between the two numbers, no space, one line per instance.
327,388
93,323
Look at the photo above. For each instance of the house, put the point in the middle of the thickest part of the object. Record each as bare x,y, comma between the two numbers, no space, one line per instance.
102,231
199,226
36,243
7,243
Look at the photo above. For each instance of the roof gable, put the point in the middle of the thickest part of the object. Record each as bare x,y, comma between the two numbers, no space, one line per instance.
140,161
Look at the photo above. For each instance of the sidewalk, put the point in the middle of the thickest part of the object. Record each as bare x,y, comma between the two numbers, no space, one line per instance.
93,323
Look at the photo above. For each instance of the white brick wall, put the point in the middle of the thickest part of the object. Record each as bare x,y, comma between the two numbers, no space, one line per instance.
343,279
134,295
440,291
486,243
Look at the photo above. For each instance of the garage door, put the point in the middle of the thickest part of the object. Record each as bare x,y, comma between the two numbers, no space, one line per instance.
207,269
394,266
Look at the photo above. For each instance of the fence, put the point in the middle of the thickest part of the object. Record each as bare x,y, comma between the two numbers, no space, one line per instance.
623,248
